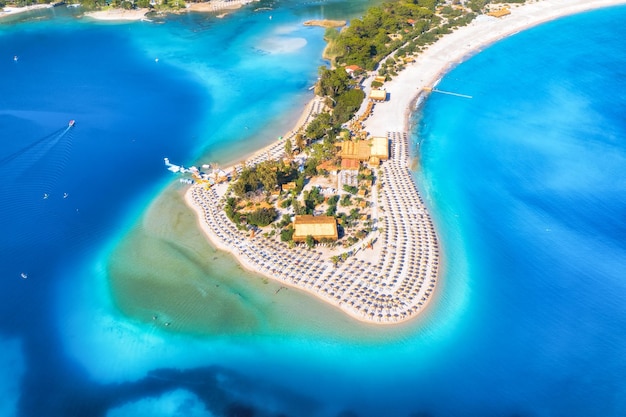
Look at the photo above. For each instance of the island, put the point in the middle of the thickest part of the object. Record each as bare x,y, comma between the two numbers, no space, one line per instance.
331,208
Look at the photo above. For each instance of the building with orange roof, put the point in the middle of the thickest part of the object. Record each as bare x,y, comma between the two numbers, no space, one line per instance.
350,164
351,69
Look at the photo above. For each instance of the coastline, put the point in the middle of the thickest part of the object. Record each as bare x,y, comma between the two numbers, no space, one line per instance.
118,15
216,6
122,15
333,284
456,47
12,11
380,284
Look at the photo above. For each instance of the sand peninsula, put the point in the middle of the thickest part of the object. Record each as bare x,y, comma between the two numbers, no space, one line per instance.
392,277
326,23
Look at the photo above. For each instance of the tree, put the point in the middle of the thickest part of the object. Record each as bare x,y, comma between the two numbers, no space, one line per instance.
261,217
318,126
267,173
300,141
288,148
286,235
239,188
347,104
310,242
333,81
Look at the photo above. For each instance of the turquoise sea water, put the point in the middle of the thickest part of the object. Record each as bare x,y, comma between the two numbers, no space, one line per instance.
526,181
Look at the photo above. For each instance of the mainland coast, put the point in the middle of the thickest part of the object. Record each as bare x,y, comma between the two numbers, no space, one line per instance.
12,11
394,279
120,15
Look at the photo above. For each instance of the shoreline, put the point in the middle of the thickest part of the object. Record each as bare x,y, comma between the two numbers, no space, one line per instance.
118,15
13,11
216,6
332,284
369,286
122,15
454,48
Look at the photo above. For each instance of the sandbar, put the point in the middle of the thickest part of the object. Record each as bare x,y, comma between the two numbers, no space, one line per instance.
326,23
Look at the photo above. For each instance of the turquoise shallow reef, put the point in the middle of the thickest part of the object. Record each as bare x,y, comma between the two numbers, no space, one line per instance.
526,182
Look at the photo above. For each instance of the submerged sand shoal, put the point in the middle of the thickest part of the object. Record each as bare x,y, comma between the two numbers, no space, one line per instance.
390,286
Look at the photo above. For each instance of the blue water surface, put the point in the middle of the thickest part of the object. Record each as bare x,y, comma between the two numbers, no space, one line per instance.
526,181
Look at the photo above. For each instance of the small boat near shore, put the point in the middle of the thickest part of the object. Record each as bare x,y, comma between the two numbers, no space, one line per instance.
72,123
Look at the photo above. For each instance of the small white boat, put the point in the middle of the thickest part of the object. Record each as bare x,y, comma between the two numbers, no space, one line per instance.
72,123
24,275
65,195
45,196
15,58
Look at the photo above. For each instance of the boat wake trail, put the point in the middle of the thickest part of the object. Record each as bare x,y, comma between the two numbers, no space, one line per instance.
30,187
38,147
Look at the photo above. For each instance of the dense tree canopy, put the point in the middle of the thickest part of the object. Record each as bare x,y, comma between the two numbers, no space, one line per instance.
366,41
261,217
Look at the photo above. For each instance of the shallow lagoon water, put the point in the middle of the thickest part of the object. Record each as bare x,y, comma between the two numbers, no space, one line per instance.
524,181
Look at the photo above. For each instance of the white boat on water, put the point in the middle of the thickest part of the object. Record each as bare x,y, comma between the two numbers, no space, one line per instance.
172,167
24,275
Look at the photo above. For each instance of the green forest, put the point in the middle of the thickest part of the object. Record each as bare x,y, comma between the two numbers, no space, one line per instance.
403,25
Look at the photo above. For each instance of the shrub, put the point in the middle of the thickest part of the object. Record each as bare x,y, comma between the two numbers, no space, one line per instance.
261,217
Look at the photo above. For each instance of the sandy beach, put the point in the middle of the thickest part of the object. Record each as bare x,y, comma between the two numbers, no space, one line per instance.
326,23
12,11
388,283
454,48
215,6
394,281
119,15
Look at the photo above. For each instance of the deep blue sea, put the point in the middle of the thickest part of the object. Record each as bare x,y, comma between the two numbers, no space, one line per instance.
526,181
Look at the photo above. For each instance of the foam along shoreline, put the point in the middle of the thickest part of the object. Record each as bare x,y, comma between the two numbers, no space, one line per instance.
119,15
394,281
12,11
